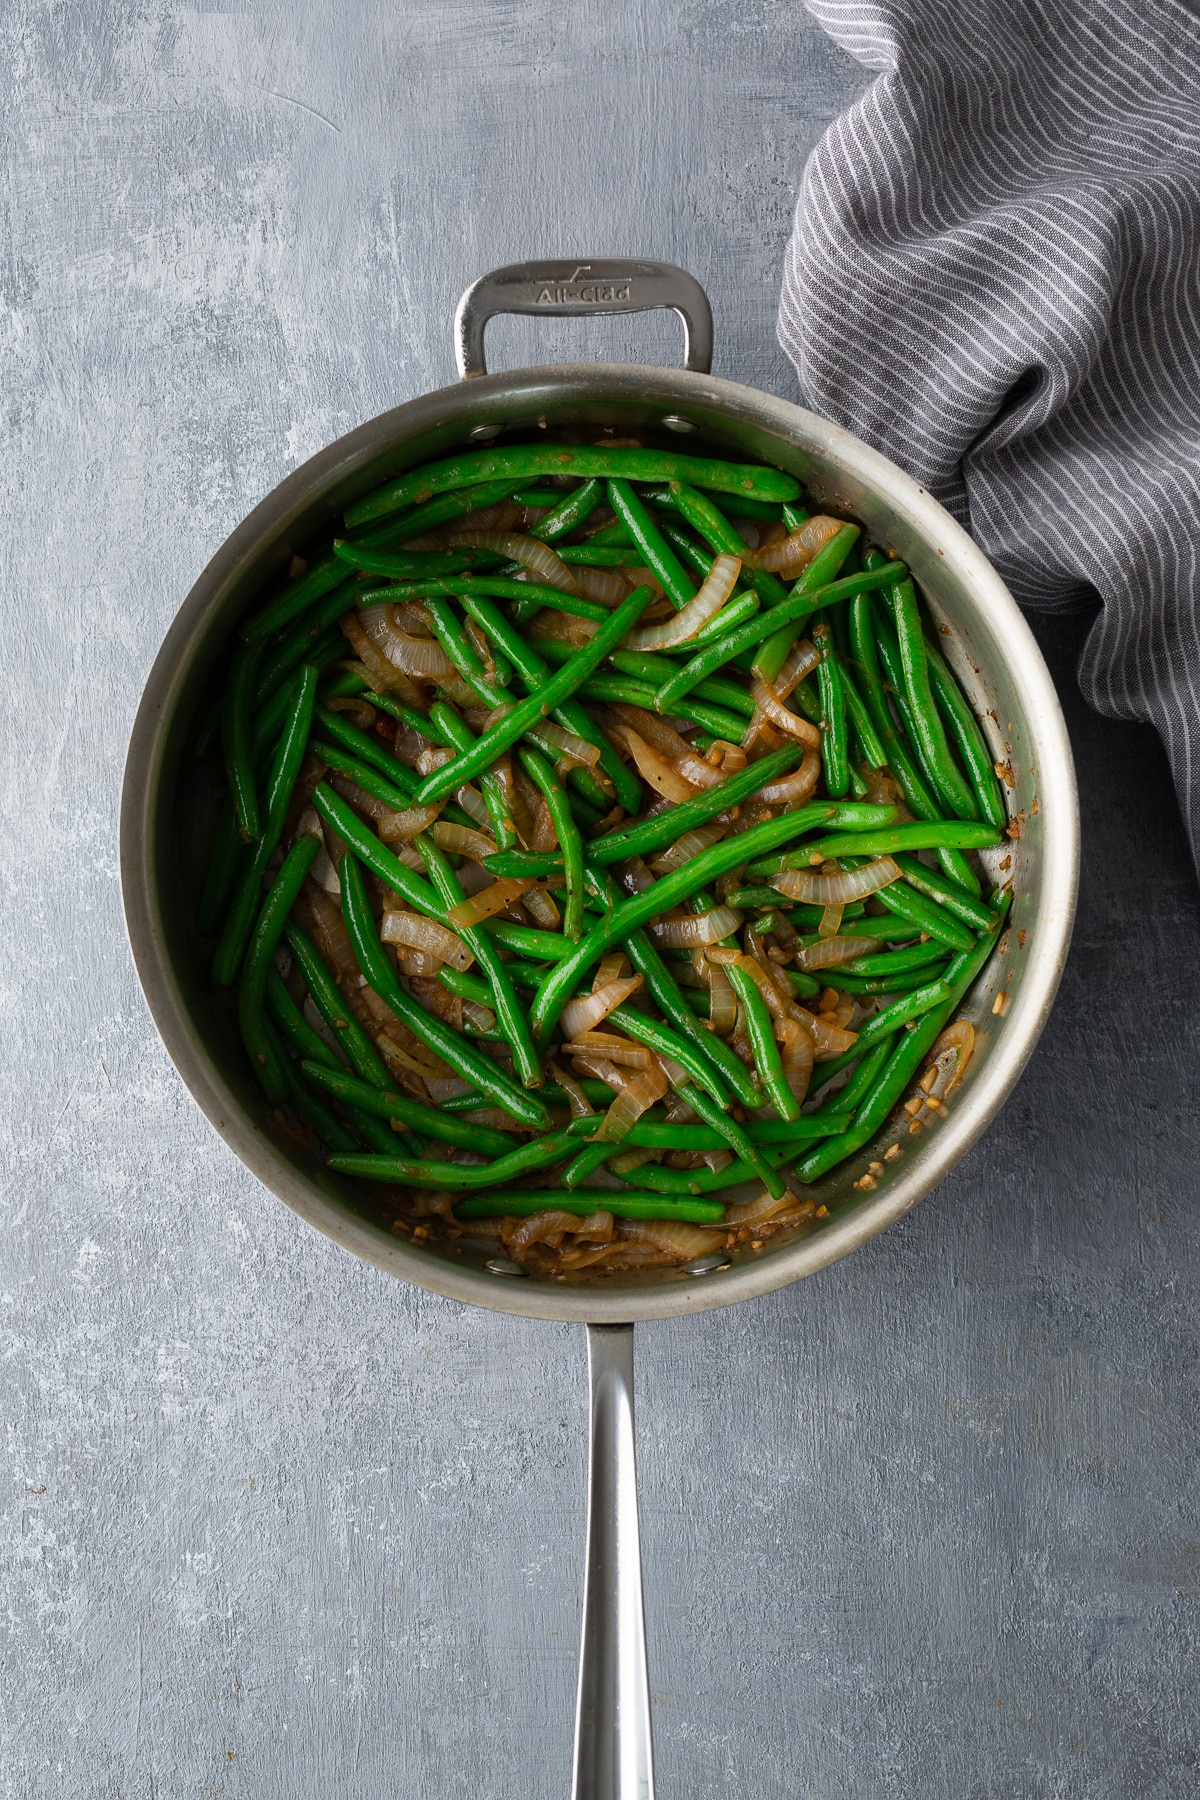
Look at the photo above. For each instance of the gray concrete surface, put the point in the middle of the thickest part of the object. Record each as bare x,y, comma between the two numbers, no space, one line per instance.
276,1526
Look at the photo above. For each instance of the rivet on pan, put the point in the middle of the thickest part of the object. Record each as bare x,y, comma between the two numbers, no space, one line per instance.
500,1265
674,422
708,1265
479,434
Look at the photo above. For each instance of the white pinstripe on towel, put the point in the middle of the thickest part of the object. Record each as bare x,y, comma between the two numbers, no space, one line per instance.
995,279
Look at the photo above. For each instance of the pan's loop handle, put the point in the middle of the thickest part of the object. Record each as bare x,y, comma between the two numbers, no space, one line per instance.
561,288
614,1757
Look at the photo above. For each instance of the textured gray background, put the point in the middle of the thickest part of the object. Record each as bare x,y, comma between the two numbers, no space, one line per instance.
277,1526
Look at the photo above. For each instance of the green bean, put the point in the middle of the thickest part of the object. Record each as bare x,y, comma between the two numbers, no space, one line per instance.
598,1092
668,828
735,612
820,572
964,834
531,460
952,861
931,737
658,1135
294,1027
289,879
864,726
664,990
413,889
945,893
344,683
747,899
527,940
500,587
761,1033
235,738
794,516
523,1161
707,518
533,671
665,1041
467,987
899,1069
304,590
571,511
448,629
566,831
560,686
691,1181
726,725
299,1034
616,925
514,1205
466,1061
408,716
798,606
833,716
861,618
367,749
224,864
899,898
863,622
296,646
644,665
597,556
444,511
655,551
890,962
736,1138
247,895
309,1107
266,726
330,1002
294,598
535,865
510,1015
368,779
696,556
890,1020
875,985
495,793
849,1097
968,735
388,1103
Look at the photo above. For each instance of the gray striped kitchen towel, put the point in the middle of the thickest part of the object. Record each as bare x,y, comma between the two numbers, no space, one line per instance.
995,279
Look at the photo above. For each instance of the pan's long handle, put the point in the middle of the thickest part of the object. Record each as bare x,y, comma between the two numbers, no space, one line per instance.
614,1757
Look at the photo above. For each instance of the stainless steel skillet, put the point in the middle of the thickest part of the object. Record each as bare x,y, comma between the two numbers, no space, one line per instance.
164,802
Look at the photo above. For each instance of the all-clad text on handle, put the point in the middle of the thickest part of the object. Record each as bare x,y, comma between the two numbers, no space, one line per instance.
599,286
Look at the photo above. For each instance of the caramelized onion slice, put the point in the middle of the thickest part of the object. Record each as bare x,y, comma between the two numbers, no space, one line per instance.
421,657
530,552
698,928
637,1094
792,555
460,840
688,846
715,590
580,1016
419,933
654,769
833,951
840,889
794,790
489,902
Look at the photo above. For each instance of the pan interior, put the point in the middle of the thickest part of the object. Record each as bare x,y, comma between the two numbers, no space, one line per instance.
170,807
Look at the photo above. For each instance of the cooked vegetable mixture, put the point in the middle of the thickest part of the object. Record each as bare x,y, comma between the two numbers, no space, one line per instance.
600,838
